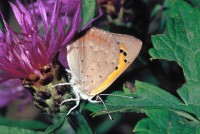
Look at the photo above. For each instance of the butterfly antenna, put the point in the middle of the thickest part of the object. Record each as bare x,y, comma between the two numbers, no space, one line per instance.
116,95
104,107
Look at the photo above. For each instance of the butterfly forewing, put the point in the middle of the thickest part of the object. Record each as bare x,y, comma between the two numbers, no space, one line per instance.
92,58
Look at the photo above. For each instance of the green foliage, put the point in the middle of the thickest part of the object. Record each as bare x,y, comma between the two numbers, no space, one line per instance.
1,25
181,44
164,122
163,10
79,123
88,11
76,120
195,3
146,96
167,113
57,125
14,130
35,125
105,126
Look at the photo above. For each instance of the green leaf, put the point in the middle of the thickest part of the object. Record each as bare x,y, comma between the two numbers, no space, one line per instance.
1,25
107,124
14,130
195,3
56,126
189,93
79,123
88,11
146,96
181,44
163,122
168,4
163,10
23,124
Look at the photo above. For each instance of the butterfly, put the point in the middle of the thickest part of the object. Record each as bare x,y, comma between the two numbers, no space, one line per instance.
96,60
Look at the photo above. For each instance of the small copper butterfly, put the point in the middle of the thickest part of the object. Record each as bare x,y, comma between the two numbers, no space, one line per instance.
96,60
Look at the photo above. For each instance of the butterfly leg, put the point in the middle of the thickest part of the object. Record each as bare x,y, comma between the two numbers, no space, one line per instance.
77,103
98,97
67,100
77,99
61,84
94,101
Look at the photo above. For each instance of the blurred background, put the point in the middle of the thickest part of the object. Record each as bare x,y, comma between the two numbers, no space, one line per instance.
140,18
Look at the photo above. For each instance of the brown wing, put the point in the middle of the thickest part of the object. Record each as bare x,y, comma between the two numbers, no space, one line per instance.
129,48
92,58
132,46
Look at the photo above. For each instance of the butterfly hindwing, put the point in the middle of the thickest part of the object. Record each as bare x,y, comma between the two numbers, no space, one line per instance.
92,58
98,58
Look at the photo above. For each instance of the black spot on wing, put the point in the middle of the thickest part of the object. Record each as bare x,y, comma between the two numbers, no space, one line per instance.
125,53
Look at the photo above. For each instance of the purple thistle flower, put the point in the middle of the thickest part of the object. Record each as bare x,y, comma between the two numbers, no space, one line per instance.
31,55
68,9
24,54
12,90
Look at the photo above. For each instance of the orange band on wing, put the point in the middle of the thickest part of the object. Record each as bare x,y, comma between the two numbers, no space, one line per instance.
115,74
